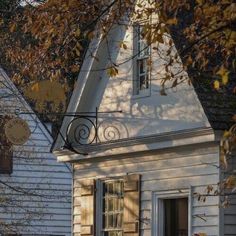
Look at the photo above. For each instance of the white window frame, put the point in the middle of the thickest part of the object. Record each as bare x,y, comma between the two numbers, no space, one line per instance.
99,203
158,198
137,92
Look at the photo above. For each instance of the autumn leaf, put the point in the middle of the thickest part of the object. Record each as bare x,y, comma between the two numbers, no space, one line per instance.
90,35
77,51
47,91
75,68
47,44
158,38
227,133
223,160
224,73
1,21
200,234
216,85
112,71
200,2
77,32
230,182
123,45
234,117
172,21
12,27
35,87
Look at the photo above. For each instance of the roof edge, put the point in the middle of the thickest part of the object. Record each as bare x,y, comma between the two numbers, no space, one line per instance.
141,144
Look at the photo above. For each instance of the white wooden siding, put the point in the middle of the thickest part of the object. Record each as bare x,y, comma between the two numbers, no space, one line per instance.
170,169
47,183
230,212
141,115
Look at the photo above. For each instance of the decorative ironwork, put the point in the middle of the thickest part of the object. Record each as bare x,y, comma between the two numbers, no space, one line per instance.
87,128
82,128
111,129
111,133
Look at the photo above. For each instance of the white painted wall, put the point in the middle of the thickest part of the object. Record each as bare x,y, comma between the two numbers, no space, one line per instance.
163,170
229,213
47,204
141,115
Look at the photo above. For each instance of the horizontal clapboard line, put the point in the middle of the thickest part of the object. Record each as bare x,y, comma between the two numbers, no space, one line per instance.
147,166
104,162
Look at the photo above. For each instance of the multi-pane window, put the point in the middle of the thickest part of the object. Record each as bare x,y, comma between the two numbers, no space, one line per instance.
113,207
176,217
142,56
5,149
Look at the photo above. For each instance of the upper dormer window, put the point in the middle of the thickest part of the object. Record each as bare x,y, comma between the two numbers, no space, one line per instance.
141,58
5,149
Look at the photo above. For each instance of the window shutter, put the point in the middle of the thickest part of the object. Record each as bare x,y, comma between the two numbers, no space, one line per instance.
5,149
87,207
131,205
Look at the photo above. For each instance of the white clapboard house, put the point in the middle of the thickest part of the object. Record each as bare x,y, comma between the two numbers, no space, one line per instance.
35,190
138,157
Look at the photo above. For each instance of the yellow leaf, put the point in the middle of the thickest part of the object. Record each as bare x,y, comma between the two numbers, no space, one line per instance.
225,79
13,27
224,73
200,2
50,91
47,44
112,71
231,181
172,21
77,52
77,32
223,160
35,87
200,234
216,85
226,134
123,45
1,21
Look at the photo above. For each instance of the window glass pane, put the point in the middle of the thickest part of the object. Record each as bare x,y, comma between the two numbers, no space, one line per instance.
176,217
143,54
113,208
143,47
144,83
142,66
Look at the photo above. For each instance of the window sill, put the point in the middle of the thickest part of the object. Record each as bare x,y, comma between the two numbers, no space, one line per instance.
142,94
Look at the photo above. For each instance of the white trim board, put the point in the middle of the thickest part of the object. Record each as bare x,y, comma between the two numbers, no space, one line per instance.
157,208
167,140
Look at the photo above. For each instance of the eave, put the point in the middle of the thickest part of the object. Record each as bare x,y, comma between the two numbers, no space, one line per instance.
138,145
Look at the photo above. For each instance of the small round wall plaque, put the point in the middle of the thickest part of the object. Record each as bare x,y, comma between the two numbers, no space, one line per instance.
17,131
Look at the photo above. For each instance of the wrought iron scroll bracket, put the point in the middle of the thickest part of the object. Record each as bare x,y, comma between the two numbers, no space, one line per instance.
82,130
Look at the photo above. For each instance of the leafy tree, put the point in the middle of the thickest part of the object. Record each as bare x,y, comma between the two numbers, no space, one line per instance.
46,42
50,38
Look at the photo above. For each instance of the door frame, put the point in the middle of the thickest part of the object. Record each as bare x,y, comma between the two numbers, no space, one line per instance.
158,208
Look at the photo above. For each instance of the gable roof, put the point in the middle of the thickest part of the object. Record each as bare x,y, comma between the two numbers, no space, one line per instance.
7,84
219,106
83,90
